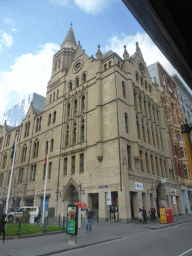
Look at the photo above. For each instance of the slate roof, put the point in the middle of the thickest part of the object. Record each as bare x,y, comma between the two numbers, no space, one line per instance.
70,37
107,54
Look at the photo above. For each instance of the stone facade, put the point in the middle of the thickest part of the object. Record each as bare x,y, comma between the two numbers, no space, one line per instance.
106,128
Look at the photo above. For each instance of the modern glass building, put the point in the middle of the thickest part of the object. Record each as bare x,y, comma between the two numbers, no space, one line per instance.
15,115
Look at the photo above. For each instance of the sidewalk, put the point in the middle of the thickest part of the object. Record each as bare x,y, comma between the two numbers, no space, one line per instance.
101,233
176,220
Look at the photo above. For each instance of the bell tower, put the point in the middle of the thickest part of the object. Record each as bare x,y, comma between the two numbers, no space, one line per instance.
62,59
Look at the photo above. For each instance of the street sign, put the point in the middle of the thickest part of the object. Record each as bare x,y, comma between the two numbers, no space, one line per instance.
108,196
104,186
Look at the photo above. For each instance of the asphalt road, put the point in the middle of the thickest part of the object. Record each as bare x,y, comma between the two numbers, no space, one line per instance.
172,241
116,239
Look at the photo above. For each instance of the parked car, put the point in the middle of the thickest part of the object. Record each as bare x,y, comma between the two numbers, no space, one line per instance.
19,213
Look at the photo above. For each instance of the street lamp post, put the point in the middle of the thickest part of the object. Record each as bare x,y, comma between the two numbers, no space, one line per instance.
57,193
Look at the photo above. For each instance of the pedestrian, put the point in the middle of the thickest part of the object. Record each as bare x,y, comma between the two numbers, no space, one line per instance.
140,215
116,212
186,209
153,211
112,213
2,226
144,215
90,215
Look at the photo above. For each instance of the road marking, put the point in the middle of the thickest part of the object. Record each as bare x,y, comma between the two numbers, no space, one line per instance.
185,252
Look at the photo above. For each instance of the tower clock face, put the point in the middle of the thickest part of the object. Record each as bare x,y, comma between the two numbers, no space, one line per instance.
141,68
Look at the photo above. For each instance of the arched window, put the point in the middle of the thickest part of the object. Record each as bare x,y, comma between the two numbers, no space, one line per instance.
8,140
126,123
75,107
149,139
141,81
146,87
23,153
40,120
54,117
50,98
67,136
143,130
82,130
49,119
35,149
68,110
1,142
84,77
138,131
74,133
59,64
123,89
137,77
109,64
135,101
83,103
70,86
55,65
27,127
4,160
77,81
53,96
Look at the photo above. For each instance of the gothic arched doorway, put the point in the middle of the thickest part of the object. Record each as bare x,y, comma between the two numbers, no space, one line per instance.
72,194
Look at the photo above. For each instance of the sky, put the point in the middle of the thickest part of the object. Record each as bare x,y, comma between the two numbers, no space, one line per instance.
32,31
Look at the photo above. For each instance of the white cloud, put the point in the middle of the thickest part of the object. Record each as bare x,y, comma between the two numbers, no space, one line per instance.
59,2
9,21
93,6
6,39
30,73
89,6
13,29
150,51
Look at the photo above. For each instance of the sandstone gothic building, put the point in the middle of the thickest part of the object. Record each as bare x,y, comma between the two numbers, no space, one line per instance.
105,126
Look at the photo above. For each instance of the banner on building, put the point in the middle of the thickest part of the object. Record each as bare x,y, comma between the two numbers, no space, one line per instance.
72,219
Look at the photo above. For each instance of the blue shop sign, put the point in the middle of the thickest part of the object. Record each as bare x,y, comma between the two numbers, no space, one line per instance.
105,186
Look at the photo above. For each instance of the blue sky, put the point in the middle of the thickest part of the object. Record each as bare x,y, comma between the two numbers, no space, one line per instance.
32,31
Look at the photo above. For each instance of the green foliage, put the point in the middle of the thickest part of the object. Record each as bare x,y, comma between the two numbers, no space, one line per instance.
28,229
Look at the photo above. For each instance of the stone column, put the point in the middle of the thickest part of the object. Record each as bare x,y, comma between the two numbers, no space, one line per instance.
159,166
142,104
124,205
99,105
103,210
154,165
137,101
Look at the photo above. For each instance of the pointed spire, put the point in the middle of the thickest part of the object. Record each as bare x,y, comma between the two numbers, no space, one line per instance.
99,53
69,40
138,50
125,54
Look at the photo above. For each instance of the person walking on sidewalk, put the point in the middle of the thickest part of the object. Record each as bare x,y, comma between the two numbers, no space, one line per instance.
116,213
140,215
153,211
144,215
90,215
2,226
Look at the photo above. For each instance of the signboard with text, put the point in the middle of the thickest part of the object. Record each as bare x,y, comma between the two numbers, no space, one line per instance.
139,186
108,196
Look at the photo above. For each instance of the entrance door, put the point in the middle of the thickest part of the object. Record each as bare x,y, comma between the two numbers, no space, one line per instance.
95,204
74,195
132,197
